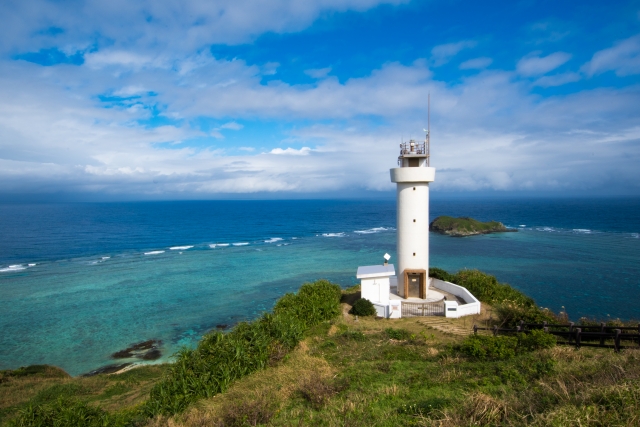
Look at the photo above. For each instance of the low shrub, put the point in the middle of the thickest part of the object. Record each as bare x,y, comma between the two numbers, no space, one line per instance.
486,288
440,274
535,340
65,412
252,412
363,307
510,313
354,335
484,347
317,391
398,334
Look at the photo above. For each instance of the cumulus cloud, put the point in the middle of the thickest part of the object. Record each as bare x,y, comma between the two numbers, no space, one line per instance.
623,58
318,73
534,65
304,151
557,79
129,119
443,53
476,63
232,126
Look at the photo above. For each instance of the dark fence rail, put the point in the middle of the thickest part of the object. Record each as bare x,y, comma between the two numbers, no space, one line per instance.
413,309
577,335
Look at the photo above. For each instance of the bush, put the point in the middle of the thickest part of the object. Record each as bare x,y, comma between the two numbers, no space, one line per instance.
484,347
65,412
486,288
440,274
398,334
363,307
222,358
535,340
510,314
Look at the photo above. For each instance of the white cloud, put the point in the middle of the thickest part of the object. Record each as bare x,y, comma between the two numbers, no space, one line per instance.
534,65
248,149
443,53
304,151
232,126
149,24
318,73
476,63
623,58
557,79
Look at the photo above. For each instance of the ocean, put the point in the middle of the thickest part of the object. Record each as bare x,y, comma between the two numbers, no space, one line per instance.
80,281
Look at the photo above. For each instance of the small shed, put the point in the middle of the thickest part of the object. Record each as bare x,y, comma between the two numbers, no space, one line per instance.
374,282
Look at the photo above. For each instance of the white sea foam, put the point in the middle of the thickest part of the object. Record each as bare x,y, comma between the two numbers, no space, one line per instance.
240,244
180,248
294,238
582,230
372,230
106,257
635,235
15,267
273,240
31,265
545,229
333,234
221,245
522,225
154,252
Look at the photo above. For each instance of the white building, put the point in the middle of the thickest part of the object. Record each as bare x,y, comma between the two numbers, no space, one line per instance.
389,292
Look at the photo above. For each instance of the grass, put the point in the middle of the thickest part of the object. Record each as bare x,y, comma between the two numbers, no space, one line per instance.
311,363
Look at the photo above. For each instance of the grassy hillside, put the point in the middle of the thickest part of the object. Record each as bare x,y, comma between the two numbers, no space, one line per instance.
465,226
317,365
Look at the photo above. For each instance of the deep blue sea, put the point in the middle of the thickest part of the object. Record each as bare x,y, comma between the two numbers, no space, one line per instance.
81,281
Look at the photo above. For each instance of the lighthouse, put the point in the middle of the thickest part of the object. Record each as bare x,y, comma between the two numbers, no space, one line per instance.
412,179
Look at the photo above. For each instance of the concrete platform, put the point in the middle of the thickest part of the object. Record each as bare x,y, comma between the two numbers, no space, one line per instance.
433,295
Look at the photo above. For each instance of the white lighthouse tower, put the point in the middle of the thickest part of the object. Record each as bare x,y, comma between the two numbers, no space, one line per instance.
412,179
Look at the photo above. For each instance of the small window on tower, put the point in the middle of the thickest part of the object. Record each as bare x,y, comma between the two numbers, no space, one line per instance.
414,188
414,220
414,254
414,163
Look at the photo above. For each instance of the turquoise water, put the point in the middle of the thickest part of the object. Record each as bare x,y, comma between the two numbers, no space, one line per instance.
105,276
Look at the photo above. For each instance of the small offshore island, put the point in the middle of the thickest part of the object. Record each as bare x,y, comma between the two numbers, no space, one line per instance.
465,226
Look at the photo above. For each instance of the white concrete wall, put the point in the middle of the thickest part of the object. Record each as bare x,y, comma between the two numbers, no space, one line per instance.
472,305
382,310
375,289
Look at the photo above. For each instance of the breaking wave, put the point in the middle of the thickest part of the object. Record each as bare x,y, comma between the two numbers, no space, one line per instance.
154,253
180,248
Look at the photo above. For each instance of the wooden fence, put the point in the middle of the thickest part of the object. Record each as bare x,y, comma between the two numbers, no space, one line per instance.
582,335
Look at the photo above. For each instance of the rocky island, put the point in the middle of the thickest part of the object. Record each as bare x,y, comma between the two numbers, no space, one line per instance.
465,226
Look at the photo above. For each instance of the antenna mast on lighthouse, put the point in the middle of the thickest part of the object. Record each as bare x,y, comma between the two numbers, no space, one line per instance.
428,141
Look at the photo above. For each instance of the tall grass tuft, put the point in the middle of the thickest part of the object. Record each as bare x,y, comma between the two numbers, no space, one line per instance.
223,358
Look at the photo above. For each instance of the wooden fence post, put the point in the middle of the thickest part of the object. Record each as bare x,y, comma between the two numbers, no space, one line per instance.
475,329
495,330
616,342
578,336
601,333
570,331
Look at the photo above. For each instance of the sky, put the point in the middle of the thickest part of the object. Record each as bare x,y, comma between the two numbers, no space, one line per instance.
194,99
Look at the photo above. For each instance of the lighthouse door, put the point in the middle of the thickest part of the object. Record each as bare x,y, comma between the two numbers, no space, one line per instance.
415,284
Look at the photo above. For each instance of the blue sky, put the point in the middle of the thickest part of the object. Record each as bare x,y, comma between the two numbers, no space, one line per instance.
244,98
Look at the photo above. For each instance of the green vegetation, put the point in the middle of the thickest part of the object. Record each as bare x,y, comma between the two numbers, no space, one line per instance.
222,358
509,304
465,226
363,307
309,362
